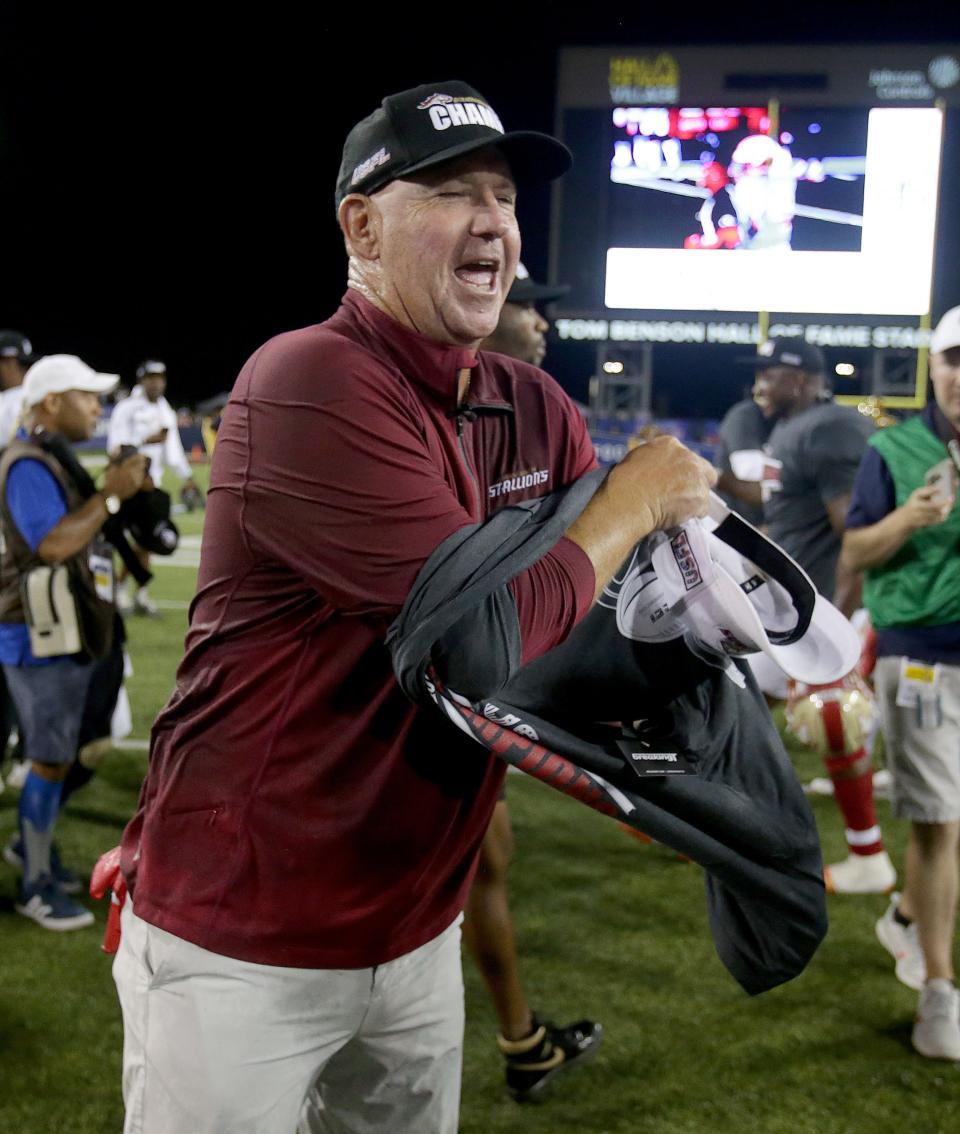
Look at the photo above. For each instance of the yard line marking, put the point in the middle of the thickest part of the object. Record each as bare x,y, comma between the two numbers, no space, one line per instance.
178,559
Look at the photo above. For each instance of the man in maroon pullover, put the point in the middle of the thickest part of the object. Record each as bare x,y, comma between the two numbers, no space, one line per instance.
306,838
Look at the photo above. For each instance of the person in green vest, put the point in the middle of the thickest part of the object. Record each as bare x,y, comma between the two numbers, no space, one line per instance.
903,530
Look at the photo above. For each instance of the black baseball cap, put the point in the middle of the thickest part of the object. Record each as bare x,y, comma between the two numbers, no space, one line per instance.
433,123
526,290
788,352
13,344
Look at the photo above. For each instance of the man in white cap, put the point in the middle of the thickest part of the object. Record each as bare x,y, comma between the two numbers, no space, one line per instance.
45,522
146,421
903,530
306,836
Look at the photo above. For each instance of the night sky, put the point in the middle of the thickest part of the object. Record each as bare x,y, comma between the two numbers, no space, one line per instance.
167,181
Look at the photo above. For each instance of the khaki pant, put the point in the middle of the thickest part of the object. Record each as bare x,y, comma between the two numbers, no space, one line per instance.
213,1045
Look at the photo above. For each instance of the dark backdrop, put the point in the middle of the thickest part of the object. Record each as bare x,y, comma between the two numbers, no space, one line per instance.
166,179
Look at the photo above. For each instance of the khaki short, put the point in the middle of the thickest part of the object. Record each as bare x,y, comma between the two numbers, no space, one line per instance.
213,1045
924,762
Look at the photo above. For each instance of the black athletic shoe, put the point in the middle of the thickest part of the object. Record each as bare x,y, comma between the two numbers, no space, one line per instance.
532,1062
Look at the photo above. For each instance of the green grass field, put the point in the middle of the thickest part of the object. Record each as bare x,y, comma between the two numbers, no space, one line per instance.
608,928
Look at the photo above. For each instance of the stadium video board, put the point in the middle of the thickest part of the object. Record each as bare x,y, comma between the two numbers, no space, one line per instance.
791,202
828,211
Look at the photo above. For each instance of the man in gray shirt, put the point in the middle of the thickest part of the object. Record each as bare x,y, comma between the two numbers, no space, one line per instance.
743,433
805,485
814,452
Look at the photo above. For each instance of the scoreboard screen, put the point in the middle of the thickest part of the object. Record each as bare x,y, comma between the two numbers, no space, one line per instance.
827,211
813,193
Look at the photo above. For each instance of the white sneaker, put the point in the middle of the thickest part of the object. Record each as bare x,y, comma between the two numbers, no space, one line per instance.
861,874
882,784
936,1034
903,944
819,785
144,605
17,776
121,598
46,904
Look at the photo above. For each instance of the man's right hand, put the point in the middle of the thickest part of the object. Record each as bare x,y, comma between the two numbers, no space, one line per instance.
665,479
657,485
125,479
77,528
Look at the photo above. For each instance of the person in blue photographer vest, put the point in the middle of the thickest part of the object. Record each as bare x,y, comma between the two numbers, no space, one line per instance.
904,532
45,522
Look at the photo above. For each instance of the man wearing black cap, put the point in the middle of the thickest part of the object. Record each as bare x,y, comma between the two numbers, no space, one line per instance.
16,351
16,354
522,328
306,837
535,1050
805,485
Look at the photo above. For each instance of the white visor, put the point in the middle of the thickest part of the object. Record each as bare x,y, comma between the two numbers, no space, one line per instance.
643,614
737,607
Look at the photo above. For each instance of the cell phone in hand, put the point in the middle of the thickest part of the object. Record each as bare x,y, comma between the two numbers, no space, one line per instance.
942,477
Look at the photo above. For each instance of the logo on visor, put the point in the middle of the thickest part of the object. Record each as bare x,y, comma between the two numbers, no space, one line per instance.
686,561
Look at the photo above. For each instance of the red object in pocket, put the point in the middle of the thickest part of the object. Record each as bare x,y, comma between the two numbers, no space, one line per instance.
106,877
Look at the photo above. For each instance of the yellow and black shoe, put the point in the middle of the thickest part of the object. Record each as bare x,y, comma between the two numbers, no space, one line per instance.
534,1060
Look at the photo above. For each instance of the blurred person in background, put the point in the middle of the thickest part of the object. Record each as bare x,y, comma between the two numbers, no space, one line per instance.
45,523
743,433
488,926
903,531
522,328
804,485
16,354
147,422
